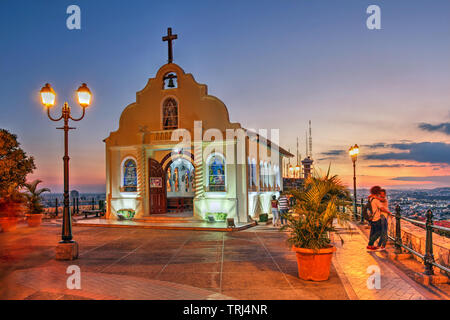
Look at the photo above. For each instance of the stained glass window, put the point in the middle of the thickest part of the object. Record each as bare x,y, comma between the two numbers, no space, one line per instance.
252,172
129,176
170,114
271,176
216,173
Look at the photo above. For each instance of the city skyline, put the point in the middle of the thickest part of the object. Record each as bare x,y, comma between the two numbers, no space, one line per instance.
386,90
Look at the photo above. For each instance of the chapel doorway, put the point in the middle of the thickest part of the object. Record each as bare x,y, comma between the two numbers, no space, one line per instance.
158,199
180,176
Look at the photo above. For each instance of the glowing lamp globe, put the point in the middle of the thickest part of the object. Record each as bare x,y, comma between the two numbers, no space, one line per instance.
84,95
354,151
48,96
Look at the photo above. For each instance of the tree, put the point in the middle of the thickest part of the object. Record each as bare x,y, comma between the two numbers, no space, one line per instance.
14,164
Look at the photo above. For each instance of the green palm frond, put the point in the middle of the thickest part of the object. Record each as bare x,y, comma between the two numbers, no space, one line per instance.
315,211
34,196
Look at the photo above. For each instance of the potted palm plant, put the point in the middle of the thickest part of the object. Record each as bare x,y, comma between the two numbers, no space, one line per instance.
311,223
11,208
35,208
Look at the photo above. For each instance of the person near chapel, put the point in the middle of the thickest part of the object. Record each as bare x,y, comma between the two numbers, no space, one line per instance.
283,205
275,212
376,224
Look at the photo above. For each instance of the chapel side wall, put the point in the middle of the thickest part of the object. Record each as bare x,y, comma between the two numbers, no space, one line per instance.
259,200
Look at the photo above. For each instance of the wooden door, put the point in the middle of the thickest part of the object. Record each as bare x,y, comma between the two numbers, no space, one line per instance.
157,187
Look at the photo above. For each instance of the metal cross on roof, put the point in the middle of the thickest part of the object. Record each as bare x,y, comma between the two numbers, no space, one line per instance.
169,38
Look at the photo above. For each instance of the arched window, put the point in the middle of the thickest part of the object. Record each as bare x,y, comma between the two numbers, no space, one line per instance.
261,174
170,114
216,173
277,177
250,172
266,175
253,169
129,174
271,176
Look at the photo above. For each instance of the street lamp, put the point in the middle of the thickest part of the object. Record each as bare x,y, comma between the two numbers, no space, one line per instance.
67,249
297,171
353,152
291,171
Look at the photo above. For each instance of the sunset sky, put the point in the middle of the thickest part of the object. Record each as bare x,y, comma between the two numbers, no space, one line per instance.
275,64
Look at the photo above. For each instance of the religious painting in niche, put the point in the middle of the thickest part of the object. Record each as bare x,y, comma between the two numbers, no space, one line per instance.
169,181
156,182
216,173
176,182
170,114
180,176
129,176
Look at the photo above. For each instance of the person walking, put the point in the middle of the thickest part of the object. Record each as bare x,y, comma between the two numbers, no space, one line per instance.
283,205
275,213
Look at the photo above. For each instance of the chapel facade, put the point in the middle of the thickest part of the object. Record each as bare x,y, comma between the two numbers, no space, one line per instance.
176,151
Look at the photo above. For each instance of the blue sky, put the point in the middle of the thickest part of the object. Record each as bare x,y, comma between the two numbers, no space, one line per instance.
275,64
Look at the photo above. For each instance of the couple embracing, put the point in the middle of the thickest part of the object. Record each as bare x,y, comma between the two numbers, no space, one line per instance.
378,205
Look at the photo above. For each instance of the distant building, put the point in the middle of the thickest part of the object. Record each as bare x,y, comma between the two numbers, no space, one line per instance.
307,167
74,194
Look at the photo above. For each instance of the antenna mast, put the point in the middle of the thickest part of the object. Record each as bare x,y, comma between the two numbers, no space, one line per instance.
306,143
310,140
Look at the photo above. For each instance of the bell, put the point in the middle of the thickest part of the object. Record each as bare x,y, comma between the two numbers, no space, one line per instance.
171,84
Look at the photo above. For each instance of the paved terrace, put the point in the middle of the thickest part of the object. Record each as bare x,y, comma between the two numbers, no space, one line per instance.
131,263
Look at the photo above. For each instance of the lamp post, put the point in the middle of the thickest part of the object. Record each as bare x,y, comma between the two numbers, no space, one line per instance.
353,152
67,249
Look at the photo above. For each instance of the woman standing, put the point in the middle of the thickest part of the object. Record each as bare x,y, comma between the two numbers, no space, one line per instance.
275,213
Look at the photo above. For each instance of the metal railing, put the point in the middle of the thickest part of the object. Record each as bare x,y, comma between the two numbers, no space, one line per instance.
428,225
77,206
428,258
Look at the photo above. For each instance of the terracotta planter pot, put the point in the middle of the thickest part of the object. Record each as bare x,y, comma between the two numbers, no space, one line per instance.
314,265
8,223
34,220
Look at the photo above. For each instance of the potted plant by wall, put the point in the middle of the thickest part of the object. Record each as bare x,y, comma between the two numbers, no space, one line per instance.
126,214
310,225
12,206
35,208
